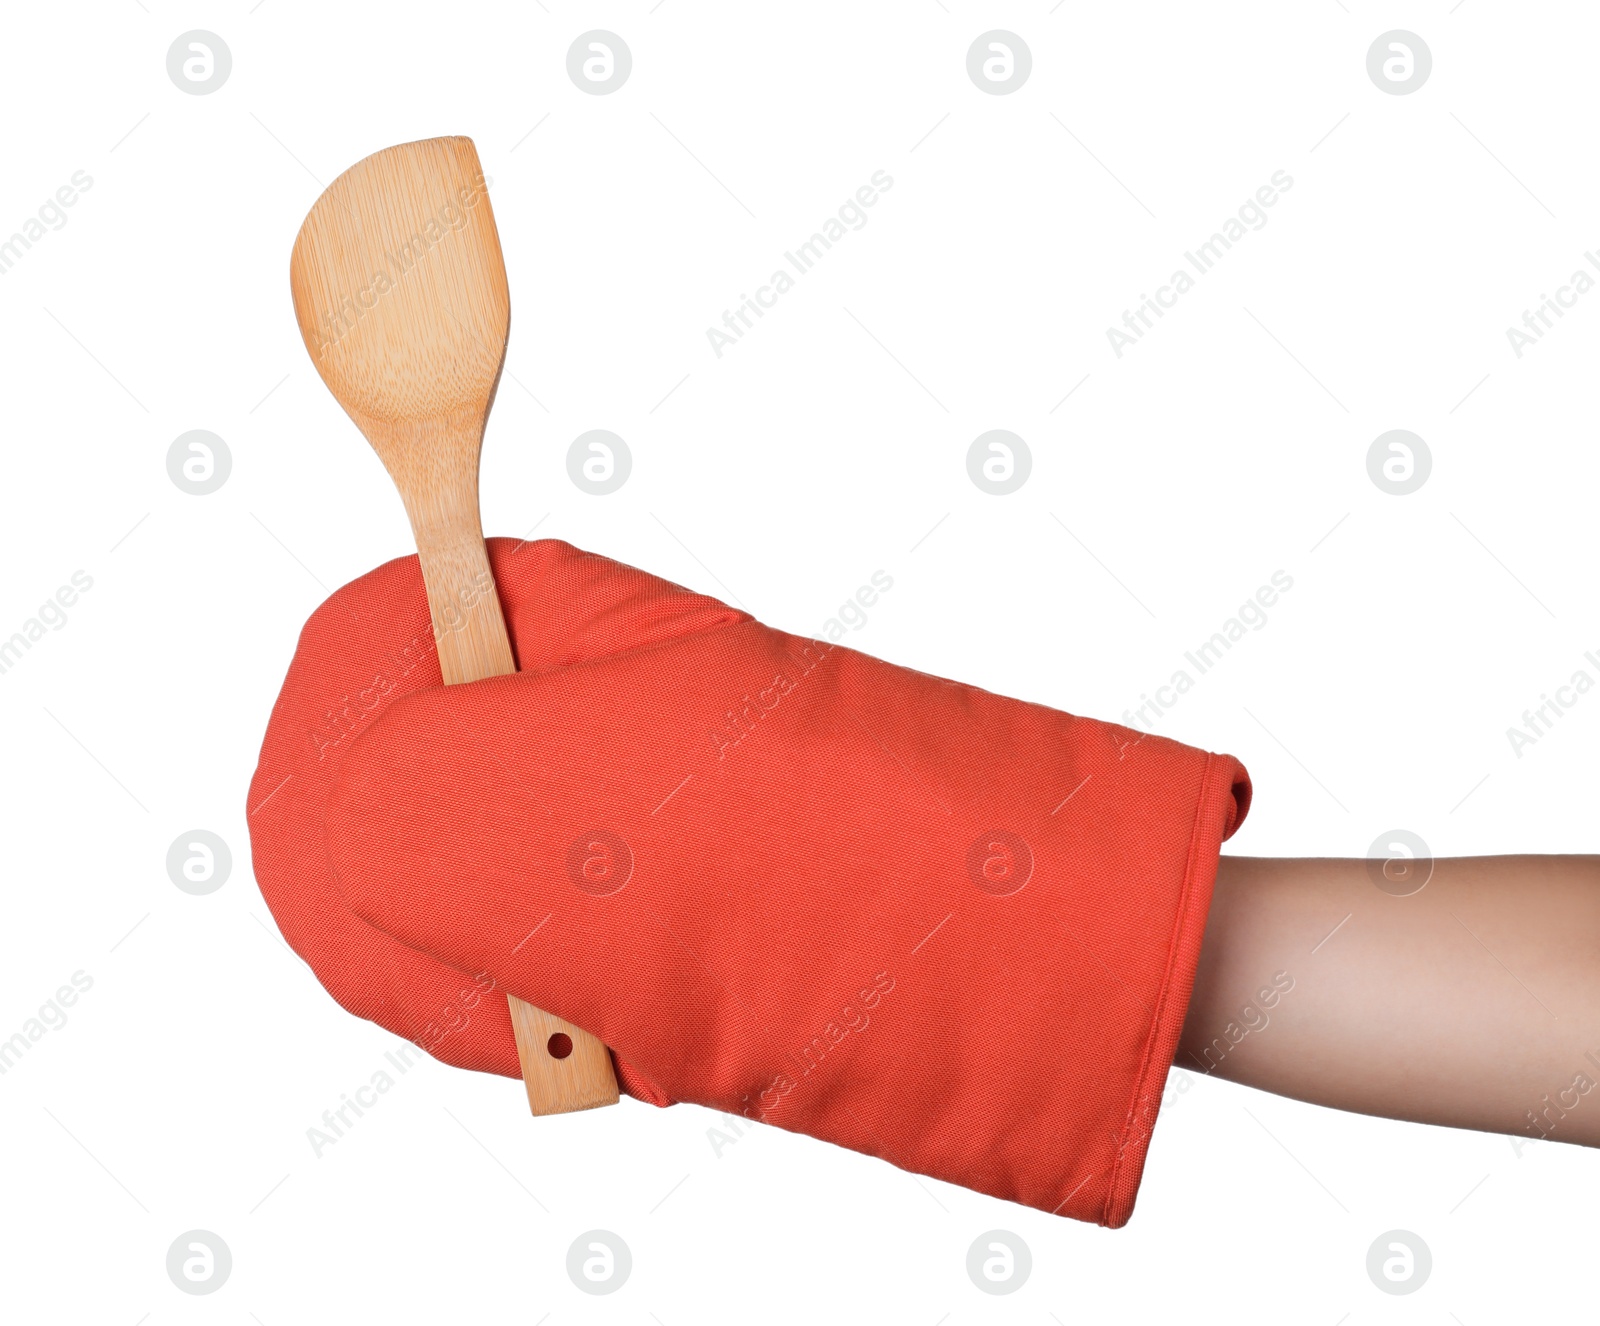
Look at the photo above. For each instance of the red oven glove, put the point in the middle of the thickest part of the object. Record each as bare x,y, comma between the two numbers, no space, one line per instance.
777,877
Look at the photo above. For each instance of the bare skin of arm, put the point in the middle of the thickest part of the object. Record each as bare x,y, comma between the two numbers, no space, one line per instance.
1473,1002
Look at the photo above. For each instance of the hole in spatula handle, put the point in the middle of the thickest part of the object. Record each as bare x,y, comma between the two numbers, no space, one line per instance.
559,1045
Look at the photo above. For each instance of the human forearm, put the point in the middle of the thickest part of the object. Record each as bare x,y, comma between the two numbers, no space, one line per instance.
1474,1002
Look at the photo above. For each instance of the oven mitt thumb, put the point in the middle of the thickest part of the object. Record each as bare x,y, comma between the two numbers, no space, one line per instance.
370,643
785,880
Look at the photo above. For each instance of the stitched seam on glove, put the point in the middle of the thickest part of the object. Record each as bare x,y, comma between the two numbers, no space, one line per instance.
1181,922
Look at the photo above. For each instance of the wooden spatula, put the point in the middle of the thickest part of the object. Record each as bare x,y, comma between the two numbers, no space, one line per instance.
400,291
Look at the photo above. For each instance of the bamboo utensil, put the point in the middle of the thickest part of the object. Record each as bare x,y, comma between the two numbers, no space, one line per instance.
400,291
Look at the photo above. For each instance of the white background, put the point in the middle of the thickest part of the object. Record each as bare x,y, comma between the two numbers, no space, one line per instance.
1167,486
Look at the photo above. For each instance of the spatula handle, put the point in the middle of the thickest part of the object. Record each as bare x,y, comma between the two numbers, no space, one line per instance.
563,1067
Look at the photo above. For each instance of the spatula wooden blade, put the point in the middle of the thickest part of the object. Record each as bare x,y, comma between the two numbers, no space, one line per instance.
400,287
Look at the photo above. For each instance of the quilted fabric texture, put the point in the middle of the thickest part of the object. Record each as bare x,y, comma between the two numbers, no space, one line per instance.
777,877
